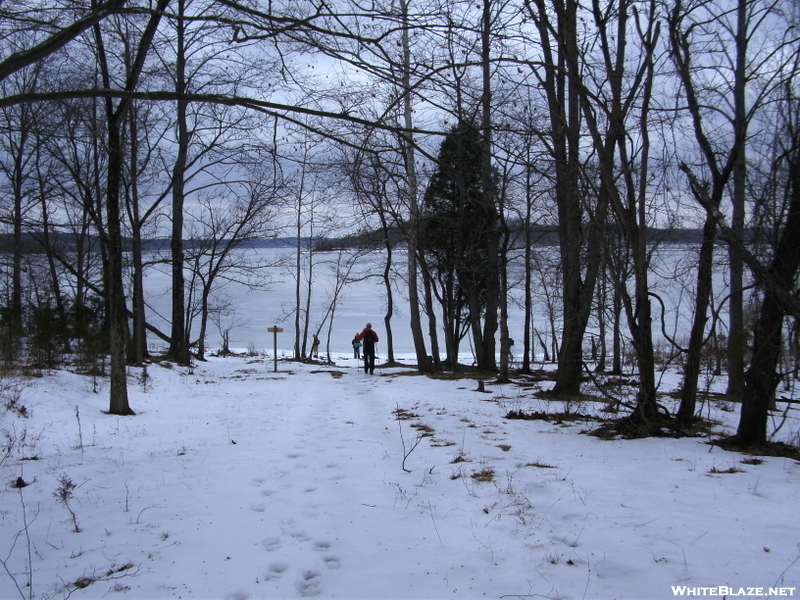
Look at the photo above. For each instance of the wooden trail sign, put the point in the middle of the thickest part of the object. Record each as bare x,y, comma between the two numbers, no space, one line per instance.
275,331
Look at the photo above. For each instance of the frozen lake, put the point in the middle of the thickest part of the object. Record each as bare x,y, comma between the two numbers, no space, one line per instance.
257,310
365,300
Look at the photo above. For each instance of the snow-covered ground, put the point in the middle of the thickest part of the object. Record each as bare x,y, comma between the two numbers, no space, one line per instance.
236,482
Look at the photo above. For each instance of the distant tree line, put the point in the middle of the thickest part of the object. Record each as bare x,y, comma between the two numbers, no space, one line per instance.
456,137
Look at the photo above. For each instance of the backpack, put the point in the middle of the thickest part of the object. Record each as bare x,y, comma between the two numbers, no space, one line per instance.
369,338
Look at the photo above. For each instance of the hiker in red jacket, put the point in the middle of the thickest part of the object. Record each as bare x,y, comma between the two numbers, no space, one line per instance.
370,338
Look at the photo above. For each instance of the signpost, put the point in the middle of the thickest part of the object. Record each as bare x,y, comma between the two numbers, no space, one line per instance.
275,331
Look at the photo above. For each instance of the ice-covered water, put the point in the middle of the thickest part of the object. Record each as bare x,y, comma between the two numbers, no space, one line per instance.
363,299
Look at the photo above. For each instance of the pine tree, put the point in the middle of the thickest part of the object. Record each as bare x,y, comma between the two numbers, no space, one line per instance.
457,232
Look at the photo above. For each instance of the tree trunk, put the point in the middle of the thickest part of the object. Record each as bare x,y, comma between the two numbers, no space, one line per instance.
697,336
616,361
601,325
201,339
505,338
51,263
762,378
736,338
720,166
298,270
309,287
115,291
407,144
17,321
429,310
299,346
138,349
564,114
179,346
486,353
387,282
527,347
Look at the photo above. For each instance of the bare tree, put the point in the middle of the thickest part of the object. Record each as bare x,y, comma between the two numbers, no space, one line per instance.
76,167
221,228
179,344
53,34
720,132
629,199
561,86
406,136
375,187
115,116
18,165
780,279
304,194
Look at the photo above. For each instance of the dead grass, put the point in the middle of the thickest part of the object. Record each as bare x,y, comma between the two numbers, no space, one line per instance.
555,417
332,372
776,449
540,465
442,443
728,471
485,475
424,430
401,414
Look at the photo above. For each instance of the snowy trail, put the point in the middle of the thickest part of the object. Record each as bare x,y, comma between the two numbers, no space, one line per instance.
330,525
237,483
289,509
335,472
342,529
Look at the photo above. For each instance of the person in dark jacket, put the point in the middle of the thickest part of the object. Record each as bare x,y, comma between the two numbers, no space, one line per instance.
370,338
315,347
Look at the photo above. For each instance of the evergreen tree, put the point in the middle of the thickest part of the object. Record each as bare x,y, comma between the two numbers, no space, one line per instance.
457,231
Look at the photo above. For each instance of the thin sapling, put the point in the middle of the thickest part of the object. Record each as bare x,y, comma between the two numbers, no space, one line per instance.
64,494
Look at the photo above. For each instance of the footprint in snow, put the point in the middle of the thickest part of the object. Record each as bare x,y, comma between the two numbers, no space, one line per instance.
310,584
332,562
300,535
276,569
271,543
289,527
